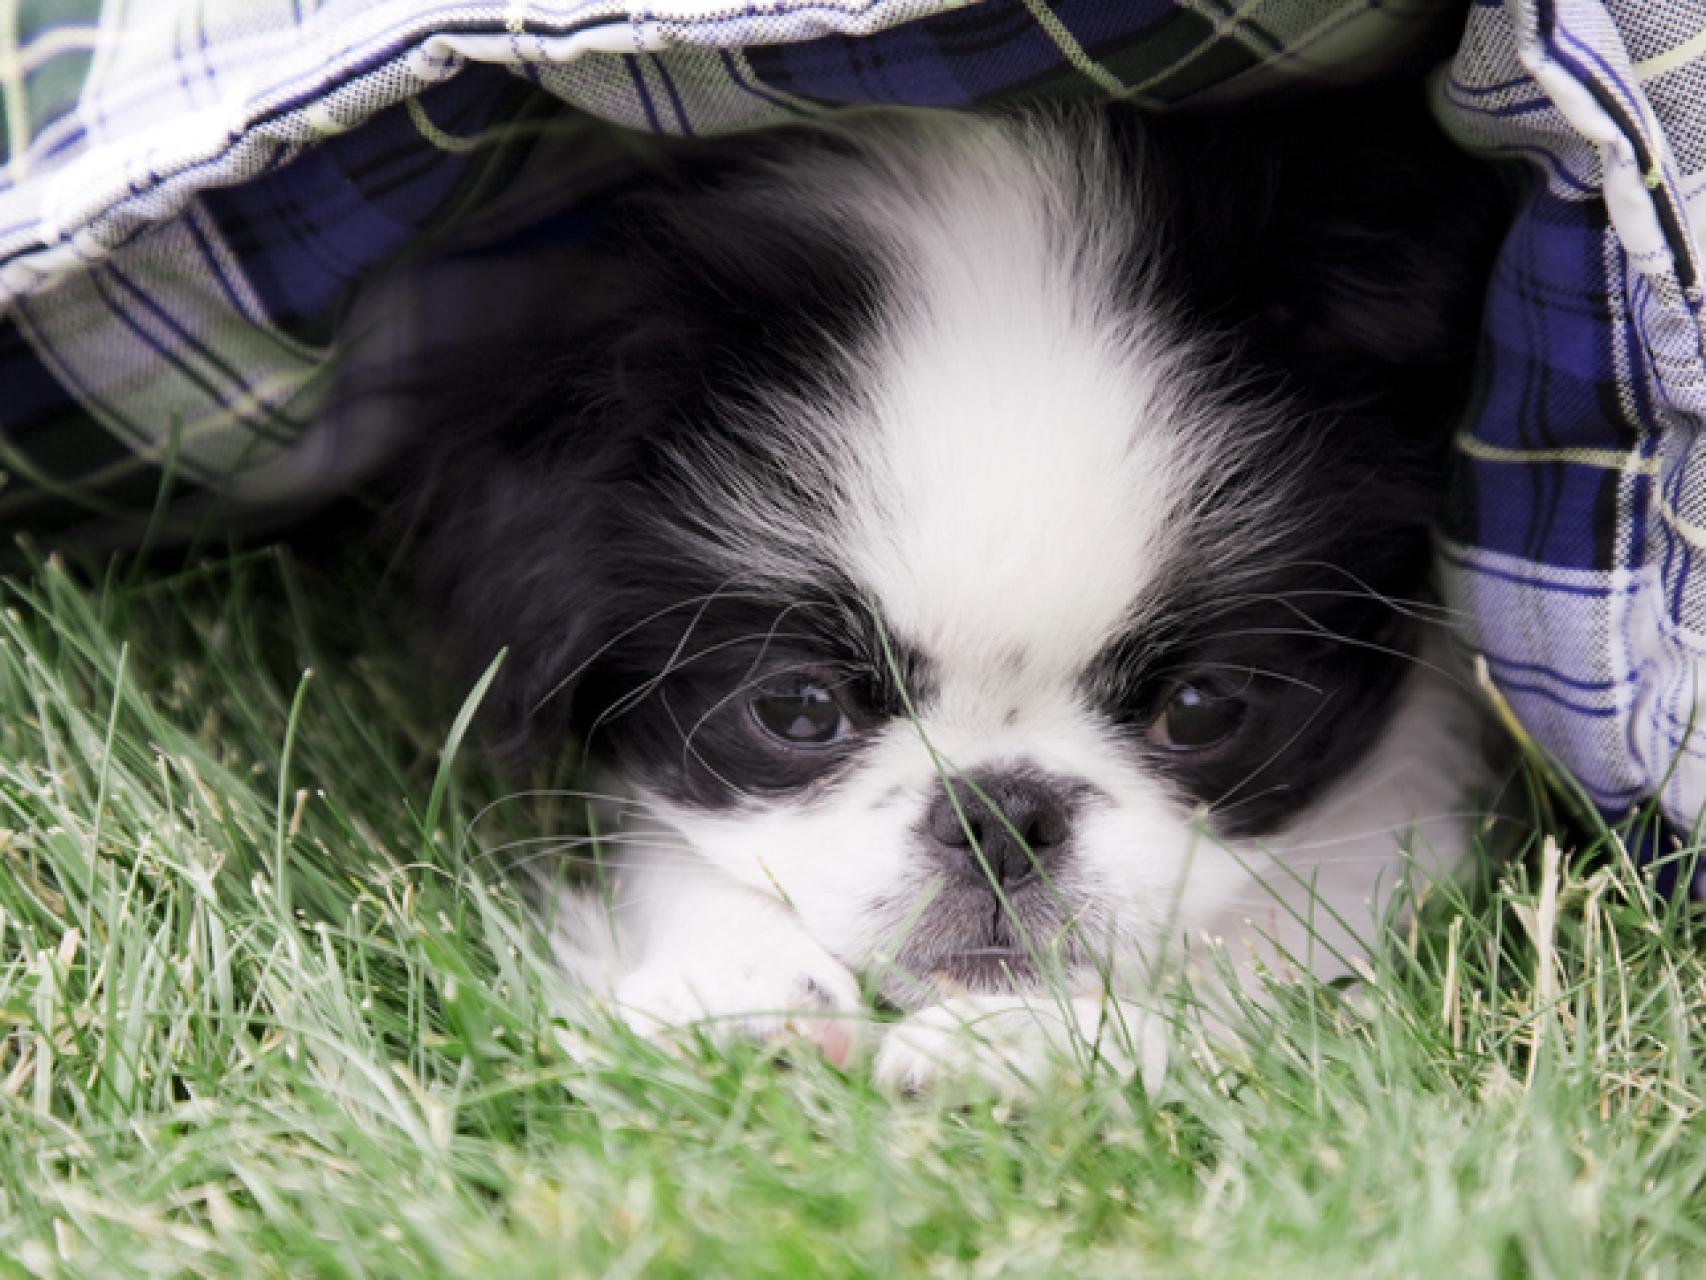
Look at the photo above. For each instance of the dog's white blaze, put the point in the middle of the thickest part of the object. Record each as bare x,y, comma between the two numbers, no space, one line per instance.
1016,500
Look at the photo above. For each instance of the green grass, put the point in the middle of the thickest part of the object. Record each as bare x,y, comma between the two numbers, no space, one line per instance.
263,1016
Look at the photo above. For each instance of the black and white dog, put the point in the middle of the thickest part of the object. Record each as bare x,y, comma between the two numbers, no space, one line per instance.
985,551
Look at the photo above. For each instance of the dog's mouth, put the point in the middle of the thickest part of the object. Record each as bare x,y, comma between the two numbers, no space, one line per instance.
966,944
991,968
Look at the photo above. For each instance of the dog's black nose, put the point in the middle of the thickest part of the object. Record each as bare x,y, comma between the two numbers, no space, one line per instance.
1016,821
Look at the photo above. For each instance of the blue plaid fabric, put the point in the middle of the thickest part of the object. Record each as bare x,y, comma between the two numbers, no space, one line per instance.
1579,509
197,196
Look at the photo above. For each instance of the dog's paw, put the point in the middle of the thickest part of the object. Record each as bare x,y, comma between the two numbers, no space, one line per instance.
1013,1044
796,994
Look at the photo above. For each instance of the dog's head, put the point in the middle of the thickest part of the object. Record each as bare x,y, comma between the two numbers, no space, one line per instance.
993,537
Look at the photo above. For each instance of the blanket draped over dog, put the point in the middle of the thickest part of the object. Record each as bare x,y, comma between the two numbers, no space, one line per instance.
195,191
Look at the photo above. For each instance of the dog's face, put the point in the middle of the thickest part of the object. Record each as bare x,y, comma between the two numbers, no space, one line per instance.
930,544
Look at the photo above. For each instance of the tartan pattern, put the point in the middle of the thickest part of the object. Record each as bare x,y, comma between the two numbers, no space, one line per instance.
192,193
178,238
1580,511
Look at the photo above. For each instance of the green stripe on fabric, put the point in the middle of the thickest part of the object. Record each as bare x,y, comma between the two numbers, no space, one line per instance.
45,54
1072,51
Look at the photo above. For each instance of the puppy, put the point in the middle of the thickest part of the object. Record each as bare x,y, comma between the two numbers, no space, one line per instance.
984,558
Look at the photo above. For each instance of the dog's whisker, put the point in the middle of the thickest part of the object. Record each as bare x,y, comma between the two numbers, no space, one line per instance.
615,839
614,870
635,697
623,805
698,602
1225,803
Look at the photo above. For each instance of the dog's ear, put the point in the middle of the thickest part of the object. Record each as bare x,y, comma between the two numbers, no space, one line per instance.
489,542
1344,236
543,501
518,440
1382,237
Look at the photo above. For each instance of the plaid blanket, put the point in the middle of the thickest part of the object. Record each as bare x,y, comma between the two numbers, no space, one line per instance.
193,190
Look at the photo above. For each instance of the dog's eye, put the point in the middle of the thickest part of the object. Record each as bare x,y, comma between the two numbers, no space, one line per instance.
801,712
1196,717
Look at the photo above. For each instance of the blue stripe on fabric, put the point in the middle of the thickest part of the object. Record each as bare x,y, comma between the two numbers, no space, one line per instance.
1541,512
662,69
1460,85
1551,588
643,94
214,265
192,343
1553,674
1553,698
746,84
1558,700
214,393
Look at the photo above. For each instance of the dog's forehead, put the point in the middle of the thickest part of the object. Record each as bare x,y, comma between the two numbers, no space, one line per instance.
1028,438
1017,513
1015,444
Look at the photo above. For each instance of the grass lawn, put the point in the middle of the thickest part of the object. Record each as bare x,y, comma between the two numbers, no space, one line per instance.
266,1012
